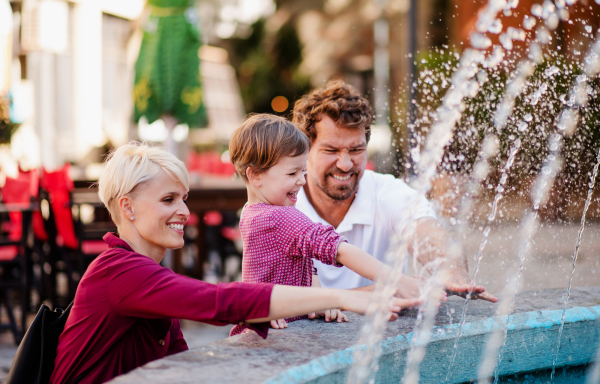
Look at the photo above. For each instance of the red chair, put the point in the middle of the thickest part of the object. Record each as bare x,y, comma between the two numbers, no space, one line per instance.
15,255
71,236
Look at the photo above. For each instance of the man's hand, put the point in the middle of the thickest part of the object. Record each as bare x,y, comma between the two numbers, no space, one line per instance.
433,246
456,282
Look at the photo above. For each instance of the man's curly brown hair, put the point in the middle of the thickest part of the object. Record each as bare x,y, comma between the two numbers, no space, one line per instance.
338,100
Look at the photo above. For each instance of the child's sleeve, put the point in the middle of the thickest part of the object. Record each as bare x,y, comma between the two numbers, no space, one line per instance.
301,237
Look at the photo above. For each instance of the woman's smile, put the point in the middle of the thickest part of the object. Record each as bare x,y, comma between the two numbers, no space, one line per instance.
176,226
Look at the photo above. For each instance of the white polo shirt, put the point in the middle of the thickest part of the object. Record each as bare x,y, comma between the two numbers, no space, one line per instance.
381,209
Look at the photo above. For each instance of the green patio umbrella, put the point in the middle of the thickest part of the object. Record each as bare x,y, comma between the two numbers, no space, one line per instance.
167,71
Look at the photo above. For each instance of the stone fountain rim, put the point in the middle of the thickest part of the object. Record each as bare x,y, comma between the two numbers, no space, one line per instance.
526,322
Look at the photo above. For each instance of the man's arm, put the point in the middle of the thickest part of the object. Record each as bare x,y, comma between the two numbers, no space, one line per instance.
435,249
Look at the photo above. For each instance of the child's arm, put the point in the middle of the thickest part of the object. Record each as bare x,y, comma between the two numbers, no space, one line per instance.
367,266
328,314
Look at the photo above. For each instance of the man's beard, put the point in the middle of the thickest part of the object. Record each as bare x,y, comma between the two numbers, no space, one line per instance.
339,192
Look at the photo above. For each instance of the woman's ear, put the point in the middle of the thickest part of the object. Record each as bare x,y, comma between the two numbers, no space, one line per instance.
253,177
126,208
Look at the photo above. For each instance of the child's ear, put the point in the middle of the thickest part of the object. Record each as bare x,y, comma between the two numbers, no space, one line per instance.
253,177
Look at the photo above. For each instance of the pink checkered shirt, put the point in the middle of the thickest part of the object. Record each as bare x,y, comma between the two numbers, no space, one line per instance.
279,245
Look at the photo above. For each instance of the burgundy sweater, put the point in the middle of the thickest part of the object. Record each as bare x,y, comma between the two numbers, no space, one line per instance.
126,314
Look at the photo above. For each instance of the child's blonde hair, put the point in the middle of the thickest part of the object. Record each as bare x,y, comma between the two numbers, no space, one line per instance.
131,165
261,140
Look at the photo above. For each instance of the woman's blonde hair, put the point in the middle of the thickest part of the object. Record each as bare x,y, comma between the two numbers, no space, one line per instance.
132,164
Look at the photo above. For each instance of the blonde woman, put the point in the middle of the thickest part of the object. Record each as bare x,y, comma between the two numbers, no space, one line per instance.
127,306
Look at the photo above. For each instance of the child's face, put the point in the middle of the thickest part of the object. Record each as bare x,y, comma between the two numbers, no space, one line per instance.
281,183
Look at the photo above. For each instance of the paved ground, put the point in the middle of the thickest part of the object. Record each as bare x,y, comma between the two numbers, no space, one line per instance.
547,266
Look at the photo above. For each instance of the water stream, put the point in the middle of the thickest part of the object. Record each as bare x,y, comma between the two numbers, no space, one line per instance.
484,240
575,254
579,100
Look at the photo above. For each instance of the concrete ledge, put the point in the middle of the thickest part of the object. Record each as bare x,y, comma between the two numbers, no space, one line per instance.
319,352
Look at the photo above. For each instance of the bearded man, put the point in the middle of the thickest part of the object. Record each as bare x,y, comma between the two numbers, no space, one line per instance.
369,209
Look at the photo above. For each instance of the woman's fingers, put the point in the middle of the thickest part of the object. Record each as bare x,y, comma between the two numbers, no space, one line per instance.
312,315
274,324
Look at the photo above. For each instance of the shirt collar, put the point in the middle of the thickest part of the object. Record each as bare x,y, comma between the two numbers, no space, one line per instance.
114,241
361,210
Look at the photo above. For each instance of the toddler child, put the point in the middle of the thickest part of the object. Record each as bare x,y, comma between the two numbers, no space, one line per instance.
279,241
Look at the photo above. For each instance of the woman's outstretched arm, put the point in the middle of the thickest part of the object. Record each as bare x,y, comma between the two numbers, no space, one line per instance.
288,301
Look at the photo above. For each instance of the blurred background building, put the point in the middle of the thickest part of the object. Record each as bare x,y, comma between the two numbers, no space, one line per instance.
68,66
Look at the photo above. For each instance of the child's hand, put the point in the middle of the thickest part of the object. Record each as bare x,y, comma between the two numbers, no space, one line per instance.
279,324
330,315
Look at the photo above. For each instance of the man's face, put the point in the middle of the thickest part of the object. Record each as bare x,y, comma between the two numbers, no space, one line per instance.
337,159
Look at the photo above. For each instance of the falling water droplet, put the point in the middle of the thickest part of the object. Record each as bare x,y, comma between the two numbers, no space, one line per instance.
522,126
548,9
495,27
552,21
588,28
563,14
506,42
516,33
551,71
537,10
528,22
528,117
535,53
568,121
542,35
480,41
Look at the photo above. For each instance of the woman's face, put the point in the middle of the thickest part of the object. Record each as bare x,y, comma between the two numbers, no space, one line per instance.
160,211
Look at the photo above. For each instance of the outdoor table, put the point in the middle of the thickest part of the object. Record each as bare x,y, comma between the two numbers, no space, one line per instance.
206,194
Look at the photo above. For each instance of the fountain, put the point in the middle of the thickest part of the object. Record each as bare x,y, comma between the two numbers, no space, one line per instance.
530,336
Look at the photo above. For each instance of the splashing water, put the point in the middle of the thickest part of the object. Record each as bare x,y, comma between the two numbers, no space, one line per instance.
486,233
465,83
365,367
551,167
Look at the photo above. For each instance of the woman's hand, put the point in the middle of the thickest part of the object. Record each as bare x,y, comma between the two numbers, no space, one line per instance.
366,302
330,315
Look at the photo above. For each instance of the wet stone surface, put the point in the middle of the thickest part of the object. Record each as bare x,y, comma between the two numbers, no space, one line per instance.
248,358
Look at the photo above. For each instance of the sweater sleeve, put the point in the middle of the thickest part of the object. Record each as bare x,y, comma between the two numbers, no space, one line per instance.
139,287
301,237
